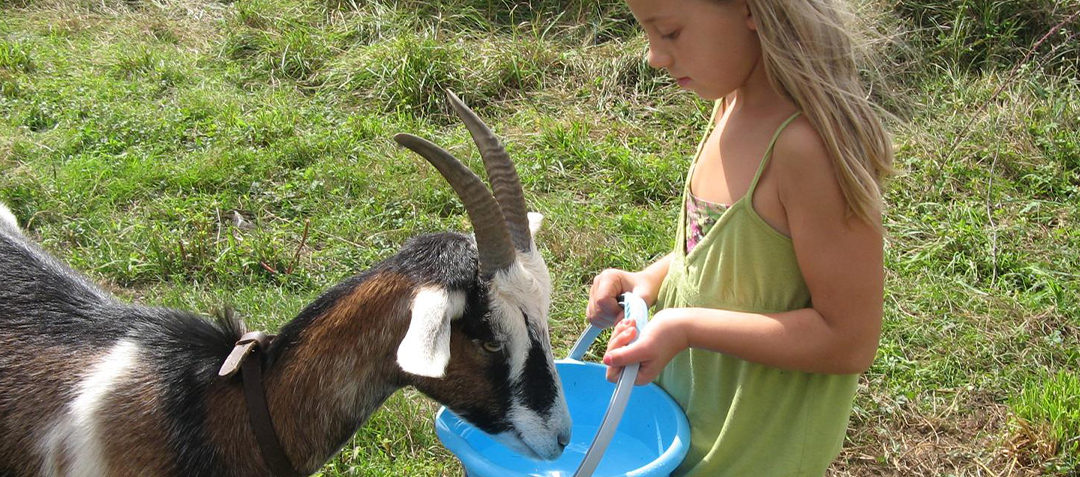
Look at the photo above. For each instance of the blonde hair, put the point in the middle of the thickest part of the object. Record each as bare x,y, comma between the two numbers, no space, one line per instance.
809,56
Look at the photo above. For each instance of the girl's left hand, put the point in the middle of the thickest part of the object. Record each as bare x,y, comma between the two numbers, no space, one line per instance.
661,340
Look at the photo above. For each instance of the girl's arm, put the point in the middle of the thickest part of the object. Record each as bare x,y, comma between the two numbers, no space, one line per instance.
603,309
841,259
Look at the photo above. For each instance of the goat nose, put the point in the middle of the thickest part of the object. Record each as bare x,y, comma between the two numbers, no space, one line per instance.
564,439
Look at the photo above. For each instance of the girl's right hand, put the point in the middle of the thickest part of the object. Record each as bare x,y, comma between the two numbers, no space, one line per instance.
603,310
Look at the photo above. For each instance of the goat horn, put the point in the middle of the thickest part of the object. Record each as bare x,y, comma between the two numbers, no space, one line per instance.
505,182
493,241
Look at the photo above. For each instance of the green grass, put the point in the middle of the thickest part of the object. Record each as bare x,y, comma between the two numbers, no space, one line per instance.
132,159
1050,405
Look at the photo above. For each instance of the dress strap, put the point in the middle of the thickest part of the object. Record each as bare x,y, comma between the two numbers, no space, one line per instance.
768,153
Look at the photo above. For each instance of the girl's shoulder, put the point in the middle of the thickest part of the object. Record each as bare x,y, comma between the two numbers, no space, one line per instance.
799,150
800,138
801,162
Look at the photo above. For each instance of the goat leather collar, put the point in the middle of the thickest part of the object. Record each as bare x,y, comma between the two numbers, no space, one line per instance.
246,358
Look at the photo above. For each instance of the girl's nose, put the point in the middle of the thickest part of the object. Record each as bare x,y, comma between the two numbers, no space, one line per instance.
658,59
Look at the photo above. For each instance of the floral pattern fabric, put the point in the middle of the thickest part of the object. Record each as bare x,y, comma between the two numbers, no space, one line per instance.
701,215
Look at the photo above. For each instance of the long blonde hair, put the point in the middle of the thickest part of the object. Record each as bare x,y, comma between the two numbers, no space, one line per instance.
809,56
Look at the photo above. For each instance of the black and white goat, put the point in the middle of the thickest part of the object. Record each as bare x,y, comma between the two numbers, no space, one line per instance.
90,385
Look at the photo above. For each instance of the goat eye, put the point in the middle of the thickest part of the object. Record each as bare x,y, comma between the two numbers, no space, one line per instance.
492,346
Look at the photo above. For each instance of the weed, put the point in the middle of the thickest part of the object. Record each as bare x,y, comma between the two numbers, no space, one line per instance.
1047,421
14,57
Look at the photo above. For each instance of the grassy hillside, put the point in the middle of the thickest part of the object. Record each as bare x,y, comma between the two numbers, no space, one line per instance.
134,135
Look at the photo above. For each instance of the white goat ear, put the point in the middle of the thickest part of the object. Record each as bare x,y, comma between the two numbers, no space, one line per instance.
425,350
535,220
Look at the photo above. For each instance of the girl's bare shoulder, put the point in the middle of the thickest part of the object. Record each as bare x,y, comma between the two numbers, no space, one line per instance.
804,168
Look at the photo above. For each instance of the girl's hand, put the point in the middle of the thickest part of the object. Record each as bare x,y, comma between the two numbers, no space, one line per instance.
603,309
661,340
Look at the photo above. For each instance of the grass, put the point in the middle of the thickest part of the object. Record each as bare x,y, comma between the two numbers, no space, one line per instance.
1050,406
240,153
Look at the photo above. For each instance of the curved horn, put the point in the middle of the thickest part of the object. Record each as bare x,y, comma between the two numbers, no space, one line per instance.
492,239
505,182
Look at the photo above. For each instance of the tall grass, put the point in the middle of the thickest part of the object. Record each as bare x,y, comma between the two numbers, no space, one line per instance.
976,35
200,154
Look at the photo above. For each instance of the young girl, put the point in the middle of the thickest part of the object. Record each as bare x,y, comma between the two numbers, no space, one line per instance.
770,305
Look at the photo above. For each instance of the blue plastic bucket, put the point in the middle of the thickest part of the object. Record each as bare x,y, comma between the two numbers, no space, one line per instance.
651,441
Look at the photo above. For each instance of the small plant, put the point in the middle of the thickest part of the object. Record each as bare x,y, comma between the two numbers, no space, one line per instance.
14,57
1047,413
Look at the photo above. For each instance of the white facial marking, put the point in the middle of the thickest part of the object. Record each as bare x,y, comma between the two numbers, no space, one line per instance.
425,350
537,430
526,288
77,439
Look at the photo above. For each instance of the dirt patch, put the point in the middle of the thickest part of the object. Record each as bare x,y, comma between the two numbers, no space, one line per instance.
971,436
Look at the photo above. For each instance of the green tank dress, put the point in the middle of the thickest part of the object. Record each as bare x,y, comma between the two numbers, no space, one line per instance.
748,419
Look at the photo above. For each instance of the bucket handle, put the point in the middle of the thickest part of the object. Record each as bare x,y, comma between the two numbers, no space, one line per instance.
634,307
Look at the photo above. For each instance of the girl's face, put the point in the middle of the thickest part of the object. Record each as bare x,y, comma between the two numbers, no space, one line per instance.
710,47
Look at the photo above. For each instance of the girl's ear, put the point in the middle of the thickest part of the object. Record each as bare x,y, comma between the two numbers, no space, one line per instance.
750,22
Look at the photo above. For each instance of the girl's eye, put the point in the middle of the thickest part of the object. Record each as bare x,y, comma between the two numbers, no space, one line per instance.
492,346
670,36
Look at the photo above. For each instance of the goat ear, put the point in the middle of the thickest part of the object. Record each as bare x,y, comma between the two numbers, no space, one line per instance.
535,220
425,350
